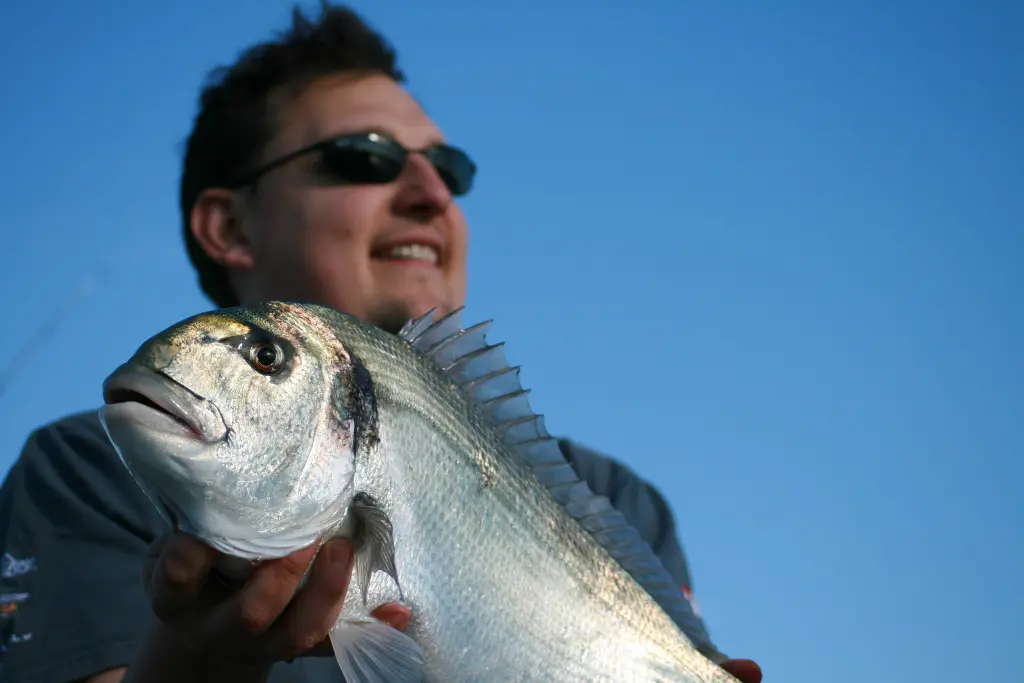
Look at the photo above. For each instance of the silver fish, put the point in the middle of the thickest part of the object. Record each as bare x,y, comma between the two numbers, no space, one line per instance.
266,429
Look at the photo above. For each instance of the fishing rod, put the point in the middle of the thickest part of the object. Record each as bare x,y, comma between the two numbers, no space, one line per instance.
79,294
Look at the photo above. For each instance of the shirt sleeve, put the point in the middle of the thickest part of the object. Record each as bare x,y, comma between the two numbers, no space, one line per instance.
74,527
642,505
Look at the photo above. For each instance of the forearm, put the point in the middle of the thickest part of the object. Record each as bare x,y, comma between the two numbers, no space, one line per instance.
163,660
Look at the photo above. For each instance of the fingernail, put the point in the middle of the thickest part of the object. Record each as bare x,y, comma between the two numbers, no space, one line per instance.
182,565
394,614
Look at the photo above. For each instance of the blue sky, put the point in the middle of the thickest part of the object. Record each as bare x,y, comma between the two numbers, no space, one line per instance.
768,254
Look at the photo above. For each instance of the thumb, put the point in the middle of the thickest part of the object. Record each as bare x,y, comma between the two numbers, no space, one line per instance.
745,670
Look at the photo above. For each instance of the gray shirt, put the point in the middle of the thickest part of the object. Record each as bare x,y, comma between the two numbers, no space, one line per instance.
74,527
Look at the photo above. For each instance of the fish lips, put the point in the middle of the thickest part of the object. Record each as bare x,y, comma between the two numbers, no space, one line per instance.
158,402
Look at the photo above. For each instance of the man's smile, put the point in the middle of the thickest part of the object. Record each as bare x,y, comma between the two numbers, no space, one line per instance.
410,253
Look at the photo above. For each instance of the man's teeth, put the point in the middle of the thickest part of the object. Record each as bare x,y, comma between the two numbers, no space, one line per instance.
412,252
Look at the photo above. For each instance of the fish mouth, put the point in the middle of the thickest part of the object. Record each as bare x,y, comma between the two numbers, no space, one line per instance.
157,401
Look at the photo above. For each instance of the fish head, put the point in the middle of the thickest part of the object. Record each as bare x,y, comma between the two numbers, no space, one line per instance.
241,426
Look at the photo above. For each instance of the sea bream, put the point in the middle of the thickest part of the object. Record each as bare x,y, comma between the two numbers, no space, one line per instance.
265,429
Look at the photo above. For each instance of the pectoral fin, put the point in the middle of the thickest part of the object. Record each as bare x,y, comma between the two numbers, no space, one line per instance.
372,538
370,651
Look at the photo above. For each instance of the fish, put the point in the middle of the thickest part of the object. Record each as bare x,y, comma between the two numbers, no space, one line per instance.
268,428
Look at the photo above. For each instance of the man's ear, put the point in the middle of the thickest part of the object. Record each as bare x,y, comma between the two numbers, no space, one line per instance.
216,225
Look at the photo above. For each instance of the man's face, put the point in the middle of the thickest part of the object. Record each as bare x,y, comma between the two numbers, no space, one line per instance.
302,236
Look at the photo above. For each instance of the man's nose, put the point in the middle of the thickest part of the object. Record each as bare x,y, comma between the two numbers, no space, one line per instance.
422,193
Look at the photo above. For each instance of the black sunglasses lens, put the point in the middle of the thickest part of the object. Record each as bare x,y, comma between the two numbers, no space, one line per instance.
455,168
375,160
370,162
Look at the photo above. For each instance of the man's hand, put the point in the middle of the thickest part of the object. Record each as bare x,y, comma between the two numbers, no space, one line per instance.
246,629
745,670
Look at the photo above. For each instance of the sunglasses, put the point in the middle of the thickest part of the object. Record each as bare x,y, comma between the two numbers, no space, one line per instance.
375,159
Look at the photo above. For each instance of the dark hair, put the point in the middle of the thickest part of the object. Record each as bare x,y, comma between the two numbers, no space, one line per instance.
235,121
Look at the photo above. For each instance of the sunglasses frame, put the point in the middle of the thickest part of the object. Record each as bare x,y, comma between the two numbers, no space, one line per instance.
362,141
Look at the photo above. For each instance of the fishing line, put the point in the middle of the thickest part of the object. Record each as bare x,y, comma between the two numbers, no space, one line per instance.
81,293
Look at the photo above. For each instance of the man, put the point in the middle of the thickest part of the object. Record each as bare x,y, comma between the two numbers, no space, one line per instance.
296,185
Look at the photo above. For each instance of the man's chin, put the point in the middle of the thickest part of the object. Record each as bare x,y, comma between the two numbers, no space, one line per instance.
392,315
390,319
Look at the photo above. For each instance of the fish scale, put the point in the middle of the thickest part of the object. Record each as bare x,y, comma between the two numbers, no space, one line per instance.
541,588
513,568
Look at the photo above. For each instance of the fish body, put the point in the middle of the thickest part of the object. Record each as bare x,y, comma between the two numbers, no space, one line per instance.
265,429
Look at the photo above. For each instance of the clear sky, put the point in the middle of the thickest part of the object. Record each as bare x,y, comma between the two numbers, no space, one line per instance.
767,253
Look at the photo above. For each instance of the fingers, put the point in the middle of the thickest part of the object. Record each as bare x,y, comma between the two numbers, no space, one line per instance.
744,669
268,618
178,573
394,615
252,610
304,624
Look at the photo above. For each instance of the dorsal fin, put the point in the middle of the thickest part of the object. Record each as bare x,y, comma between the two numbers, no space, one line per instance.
481,371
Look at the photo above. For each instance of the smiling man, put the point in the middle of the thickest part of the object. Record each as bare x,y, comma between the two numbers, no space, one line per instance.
373,230
310,174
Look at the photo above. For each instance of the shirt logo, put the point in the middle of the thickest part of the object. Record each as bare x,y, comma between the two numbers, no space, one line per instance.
11,566
9,603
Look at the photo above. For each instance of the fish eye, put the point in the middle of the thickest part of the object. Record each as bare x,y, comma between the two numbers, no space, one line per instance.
266,358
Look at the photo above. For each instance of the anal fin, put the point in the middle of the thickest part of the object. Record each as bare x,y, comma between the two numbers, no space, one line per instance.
370,651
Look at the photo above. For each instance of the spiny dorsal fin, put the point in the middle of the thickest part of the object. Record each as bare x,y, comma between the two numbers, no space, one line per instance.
481,371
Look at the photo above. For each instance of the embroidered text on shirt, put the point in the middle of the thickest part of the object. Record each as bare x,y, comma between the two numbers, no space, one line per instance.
12,566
